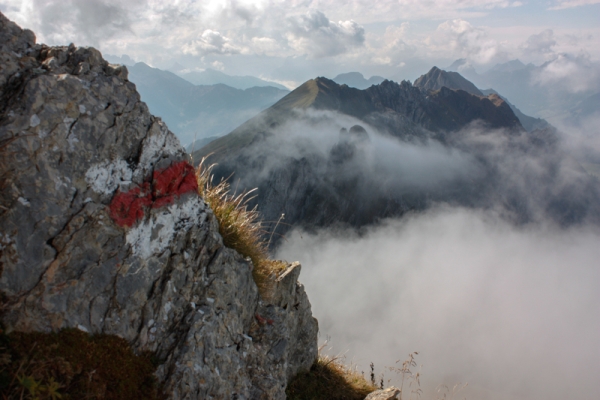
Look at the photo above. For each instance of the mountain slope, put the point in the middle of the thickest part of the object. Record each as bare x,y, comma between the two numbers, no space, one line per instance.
327,154
544,91
529,123
399,109
199,111
213,77
357,80
436,78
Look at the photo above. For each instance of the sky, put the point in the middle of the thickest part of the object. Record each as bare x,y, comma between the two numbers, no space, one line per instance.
293,41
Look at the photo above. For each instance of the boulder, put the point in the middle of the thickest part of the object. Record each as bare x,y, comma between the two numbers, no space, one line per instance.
102,229
391,393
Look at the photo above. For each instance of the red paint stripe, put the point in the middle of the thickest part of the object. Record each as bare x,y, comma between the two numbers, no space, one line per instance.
126,208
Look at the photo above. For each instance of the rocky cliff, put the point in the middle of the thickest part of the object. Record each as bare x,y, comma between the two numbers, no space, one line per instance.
102,229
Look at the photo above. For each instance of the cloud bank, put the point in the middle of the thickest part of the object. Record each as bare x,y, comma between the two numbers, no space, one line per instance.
326,36
513,311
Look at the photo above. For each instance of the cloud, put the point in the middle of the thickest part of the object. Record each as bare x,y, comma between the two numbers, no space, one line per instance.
255,36
317,36
61,21
210,42
392,10
384,167
459,39
571,73
562,4
513,311
541,43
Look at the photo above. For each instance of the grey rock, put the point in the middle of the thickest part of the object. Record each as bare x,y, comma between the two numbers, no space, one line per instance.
391,393
436,78
74,139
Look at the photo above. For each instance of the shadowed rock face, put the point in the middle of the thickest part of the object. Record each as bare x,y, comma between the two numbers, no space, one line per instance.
102,229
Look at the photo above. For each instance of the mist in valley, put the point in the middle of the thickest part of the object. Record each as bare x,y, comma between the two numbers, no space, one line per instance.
513,311
509,305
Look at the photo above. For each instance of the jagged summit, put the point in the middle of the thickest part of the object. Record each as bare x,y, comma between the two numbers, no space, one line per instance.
415,111
436,78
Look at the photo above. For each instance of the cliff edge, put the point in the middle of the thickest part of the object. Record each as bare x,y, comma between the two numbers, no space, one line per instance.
102,229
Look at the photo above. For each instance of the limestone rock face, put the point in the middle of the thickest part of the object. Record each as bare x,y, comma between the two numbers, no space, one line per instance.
102,228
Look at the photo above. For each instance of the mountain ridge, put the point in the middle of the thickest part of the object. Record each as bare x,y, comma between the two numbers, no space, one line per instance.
436,78
418,110
199,111
211,77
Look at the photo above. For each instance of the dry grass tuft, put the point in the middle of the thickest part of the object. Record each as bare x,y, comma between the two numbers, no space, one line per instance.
329,379
239,225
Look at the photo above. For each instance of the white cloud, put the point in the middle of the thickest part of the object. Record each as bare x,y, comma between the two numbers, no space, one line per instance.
573,73
541,43
393,10
459,39
513,311
210,42
315,35
562,4
374,37
61,21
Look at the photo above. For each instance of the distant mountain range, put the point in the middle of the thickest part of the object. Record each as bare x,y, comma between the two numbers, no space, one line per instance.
436,79
329,154
213,77
357,80
196,112
539,90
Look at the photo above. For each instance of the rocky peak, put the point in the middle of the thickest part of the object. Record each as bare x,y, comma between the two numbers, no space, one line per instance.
102,229
436,78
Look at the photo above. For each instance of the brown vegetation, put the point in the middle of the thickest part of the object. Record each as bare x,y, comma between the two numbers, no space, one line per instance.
329,379
239,225
72,364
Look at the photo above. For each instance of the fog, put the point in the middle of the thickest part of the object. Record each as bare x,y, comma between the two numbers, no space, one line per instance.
394,164
510,306
494,279
513,311
306,167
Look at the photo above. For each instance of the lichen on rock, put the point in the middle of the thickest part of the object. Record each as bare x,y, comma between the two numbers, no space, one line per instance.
102,229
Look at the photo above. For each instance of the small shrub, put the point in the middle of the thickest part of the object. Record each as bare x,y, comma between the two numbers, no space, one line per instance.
329,379
71,364
239,225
